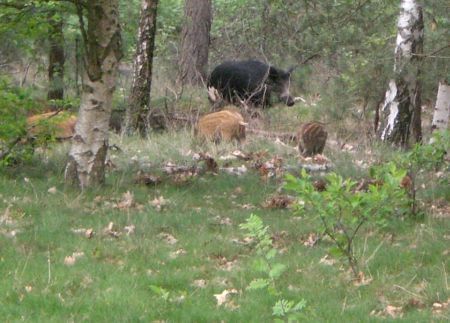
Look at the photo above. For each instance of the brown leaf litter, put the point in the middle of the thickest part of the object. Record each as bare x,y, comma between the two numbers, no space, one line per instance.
225,264
210,163
223,297
72,259
199,283
311,240
327,260
147,179
362,280
127,201
167,237
111,230
389,310
278,201
223,221
159,203
440,307
87,233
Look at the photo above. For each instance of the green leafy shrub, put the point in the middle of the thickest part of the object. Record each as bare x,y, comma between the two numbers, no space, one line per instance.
430,156
343,208
14,104
423,161
272,270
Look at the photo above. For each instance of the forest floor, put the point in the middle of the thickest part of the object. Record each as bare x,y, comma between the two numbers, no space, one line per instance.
162,242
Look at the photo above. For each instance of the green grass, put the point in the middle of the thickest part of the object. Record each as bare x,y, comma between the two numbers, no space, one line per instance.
113,280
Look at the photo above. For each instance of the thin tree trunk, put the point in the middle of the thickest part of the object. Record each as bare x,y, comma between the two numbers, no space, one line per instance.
401,111
442,109
195,42
102,44
137,112
265,27
77,64
56,58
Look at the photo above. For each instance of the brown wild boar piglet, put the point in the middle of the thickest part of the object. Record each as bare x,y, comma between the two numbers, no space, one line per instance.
227,124
311,137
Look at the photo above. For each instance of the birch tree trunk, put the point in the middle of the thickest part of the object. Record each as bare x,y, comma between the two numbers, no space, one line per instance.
442,109
137,112
401,111
102,45
195,42
56,58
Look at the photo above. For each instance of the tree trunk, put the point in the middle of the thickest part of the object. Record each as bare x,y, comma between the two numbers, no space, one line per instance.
102,45
195,42
137,112
401,111
442,109
56,58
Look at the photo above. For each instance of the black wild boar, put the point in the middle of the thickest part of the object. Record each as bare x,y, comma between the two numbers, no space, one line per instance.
251,81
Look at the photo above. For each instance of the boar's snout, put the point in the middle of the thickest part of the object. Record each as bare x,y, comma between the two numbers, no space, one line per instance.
288,100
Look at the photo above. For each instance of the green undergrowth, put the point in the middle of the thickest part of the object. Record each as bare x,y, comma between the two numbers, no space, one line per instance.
166,259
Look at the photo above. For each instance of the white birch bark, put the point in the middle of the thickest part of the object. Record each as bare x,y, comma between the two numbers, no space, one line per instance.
401,111
442,109
86,165
138,109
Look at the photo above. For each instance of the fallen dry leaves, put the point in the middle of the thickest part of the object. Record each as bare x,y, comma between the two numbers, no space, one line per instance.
225,264
245,241
415,303
129,229
52,190
127,201
320,185
167,237
270,168
393,311
321,159
6,217
111,230
362,280
183,178
159,203
238,190
223,221
278,201
147,179
88,233
210,163
247,206
177,253
222,297
240,155
172,168
70,260
199,283
389,310
326,260
439,307
239,171
311,240
279,240
440,209
8,221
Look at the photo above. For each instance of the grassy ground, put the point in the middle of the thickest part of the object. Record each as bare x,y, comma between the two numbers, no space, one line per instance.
165,261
